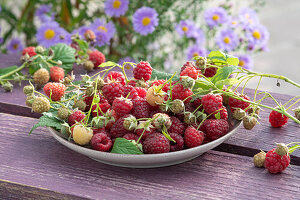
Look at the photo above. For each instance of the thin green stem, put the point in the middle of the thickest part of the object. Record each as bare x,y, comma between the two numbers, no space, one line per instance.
257,88
13,71
293,104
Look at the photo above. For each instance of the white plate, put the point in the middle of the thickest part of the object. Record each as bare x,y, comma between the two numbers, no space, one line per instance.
146,160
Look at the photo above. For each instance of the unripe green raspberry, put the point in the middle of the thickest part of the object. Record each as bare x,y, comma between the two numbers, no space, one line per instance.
39,49
40,105
63,113
282,149
201,62
189,118
130,123
89,91
29,100
88,65
177,106
161,120
297,113
7,86
239,114
187,82
81,105
100,83
249,122
259,159
28,90
142,84
41,77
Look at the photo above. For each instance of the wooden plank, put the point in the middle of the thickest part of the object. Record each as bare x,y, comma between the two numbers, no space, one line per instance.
37,160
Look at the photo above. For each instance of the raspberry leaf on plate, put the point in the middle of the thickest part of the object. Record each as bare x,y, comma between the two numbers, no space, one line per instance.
123,146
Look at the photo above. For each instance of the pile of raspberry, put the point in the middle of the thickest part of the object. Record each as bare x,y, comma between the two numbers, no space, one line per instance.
150,111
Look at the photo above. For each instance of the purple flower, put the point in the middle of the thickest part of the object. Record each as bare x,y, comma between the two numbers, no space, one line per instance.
257,35
128,67
199,36
48,34
116,8
227,40
195,50
43,13
233,22
65,37
14,45
80,31
107,28
101,39
215,16
186,28
245,61
1,40
248,16
145,20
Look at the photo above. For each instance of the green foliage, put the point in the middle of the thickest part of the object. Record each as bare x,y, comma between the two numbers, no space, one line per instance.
48,120
65,54
220,58
156,74
123,146
6,70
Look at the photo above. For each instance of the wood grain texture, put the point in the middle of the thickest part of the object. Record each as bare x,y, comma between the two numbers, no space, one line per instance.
39,161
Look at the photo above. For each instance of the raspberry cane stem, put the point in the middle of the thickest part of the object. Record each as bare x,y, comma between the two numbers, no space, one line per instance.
13,71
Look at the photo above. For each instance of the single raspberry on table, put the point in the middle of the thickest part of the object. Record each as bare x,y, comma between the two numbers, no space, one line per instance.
97,58
122,106
193,137
30,51
177,126
210,71
166,88
191,72
101,142
156,143
277,119
179,92
143,70
115,76
112,91
131,136
236,103
117,129
57,73
55,90
211,103
75,117
104,107
275,163
215,128
40,105
179,142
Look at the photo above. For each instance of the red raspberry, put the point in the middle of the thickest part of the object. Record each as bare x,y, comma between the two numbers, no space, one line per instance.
179,92
76,116
131,136
187,64
132,83
235,103
193,137
277,119
104,107
179,142
57,90
141,92
146,133
101,142
57,73
89,99
111,118
141,108
143,70
191,72
29,50
100,130
177,126
126,90
112,91
223,113
166,88
117,129
197,103
97,58
154,110
211,103
210,72
156,143
115,76
122,106
276,163
215,128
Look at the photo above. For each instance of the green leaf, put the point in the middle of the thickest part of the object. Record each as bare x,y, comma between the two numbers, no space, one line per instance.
221,58
168,136
223,73
37,64
108,64
229,81
202,84
83,45
6,70
49,121
65,54
293,148
123,146
162,75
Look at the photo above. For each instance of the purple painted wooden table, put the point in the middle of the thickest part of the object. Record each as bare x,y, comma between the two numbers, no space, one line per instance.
38,167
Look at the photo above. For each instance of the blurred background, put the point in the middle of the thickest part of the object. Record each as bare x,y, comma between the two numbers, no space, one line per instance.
263,34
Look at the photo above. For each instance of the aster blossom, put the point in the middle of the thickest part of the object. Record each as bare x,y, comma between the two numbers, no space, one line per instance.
215,16
101,25
101,39
186,28
48,34
245,61
15,45
145,20
195,50
227,40
257,35
44,13
116,8
199,36
248,16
